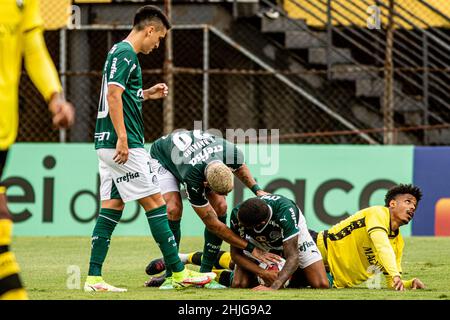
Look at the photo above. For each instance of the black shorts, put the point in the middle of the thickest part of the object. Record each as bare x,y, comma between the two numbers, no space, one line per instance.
3,154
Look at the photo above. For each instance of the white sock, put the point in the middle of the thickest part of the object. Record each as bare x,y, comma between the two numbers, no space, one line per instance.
183,257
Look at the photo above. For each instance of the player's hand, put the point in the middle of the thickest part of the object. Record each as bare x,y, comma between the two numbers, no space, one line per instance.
266,257
262,288
261,193
121,155
417,284
398,284
62,111
269,276
158,91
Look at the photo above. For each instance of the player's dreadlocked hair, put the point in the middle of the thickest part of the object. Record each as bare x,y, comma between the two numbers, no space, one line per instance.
148,14
252,212
402,189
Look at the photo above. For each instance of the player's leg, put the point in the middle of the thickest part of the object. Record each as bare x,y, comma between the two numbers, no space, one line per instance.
156,212
170,189
109,216
311,262
145,189
212,242
243,279
10,285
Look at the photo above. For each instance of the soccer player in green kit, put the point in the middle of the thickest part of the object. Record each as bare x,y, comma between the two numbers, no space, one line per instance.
124,164
204,164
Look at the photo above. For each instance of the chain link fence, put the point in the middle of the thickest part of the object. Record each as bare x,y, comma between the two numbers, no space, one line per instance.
315,82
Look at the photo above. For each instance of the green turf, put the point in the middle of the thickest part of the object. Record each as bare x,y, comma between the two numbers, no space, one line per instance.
45,261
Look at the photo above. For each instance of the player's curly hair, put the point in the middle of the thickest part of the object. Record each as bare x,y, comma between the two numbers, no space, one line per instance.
148,14
219,177
402,189
252,212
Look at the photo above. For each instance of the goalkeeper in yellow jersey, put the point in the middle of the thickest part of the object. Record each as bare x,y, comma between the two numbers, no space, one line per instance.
21,36
369,242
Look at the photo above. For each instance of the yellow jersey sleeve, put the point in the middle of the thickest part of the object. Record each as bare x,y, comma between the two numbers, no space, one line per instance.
385,252
39,64
31,18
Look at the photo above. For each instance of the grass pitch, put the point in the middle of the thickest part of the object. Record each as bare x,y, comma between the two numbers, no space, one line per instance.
54,268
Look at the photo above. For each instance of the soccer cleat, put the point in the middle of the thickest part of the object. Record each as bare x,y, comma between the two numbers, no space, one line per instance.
214,285
167,284
96,284
155,266
155,281
192,278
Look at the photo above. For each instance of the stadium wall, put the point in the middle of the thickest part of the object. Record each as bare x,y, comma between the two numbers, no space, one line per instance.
53,188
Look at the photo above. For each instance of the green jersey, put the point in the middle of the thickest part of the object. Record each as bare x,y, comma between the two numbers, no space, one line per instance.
122,69
187,153
283,224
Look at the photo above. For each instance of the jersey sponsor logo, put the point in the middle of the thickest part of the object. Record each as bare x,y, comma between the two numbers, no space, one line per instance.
205,154
100,136
113,68
127,61
305,245
128,177
195,189
371,258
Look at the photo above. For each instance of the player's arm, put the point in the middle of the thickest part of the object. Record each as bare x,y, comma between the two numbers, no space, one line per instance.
158,91
290,250
115,103
209,218
43,73
244,174
386,255
240,259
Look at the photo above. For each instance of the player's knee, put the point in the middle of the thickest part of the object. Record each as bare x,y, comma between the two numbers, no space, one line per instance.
320,283
174,211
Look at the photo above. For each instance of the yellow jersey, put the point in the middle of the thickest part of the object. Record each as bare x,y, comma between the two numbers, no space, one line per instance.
353,253
21,36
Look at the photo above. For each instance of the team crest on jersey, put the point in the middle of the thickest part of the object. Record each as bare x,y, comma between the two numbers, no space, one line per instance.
20,4
274,234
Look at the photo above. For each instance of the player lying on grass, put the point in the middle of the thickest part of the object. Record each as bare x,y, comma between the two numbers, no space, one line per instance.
353,251
273,223
370,242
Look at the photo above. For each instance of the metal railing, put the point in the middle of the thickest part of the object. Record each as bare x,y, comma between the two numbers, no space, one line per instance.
420,54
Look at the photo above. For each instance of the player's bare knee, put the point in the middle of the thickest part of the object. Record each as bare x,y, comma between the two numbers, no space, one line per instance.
239,283
174,211
320,283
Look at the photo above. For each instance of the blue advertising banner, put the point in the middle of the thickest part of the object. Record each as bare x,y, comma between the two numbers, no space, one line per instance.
432,175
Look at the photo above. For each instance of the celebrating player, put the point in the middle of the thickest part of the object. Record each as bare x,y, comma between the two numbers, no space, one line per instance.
204,164
369,242
21,35
124,165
